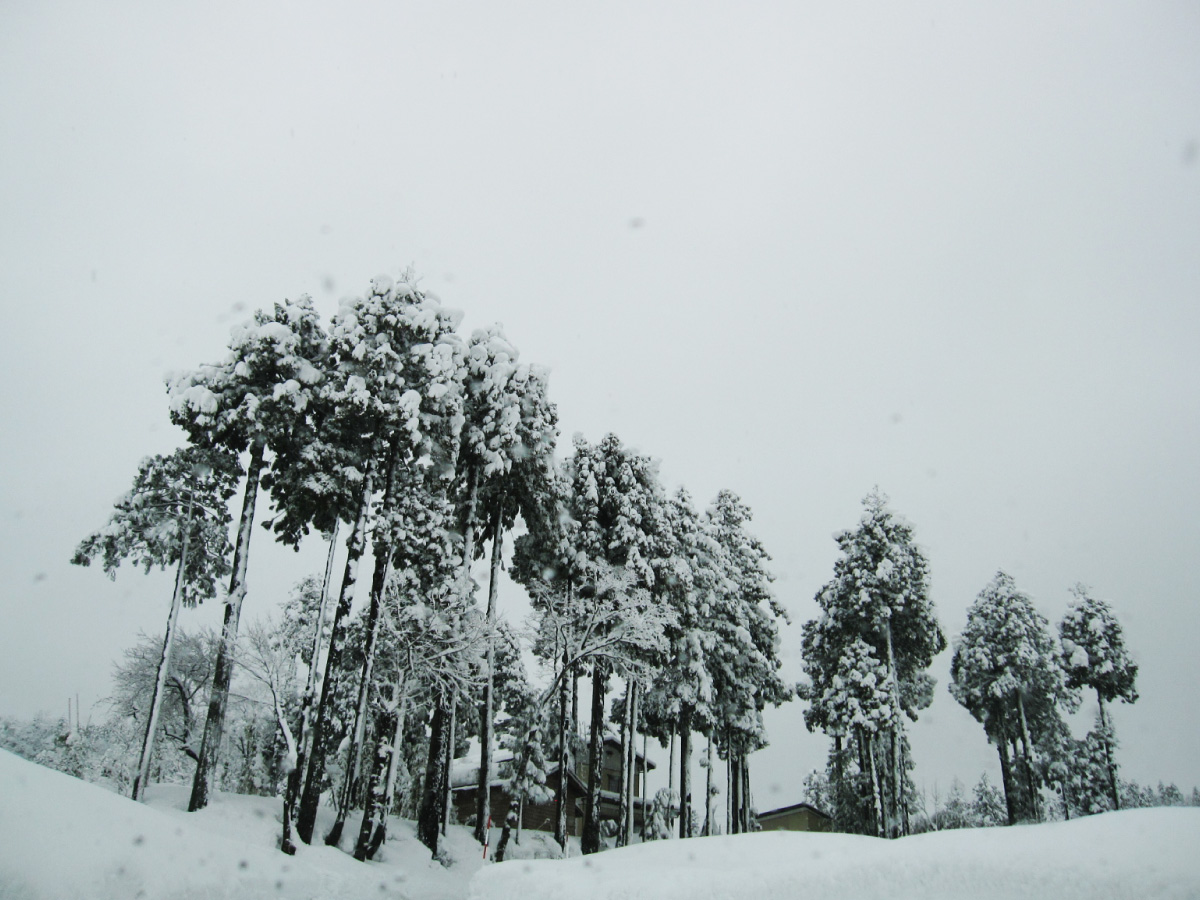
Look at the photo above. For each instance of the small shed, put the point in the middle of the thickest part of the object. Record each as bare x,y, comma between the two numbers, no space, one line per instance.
797,817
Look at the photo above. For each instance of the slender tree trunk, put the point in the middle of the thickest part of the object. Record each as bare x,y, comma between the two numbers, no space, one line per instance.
735,796
385,723
575,731
1006,777
447,793
746,797
876,789
623,808
839,783
710,761
631,772
311,798
1108,754
483,803
354,751
210,745
591,812
672,796
645,772
429,819
729,827
560,797
1030,778
381,787
164,663
295,778
685,773
897,792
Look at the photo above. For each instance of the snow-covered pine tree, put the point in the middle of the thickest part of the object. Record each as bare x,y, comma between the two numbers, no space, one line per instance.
504,462
1005,672
879,596
392,398
741,616
176,514
1094,656
257,400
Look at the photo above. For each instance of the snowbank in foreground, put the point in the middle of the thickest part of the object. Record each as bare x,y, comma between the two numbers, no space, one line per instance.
1139,854
63,839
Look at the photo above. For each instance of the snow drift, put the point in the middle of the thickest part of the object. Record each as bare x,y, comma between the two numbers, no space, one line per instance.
1138,854
62,839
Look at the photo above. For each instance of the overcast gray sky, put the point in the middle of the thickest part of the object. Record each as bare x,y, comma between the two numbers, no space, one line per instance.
795,250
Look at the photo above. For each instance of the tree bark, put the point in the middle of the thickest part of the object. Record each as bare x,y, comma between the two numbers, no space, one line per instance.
1030,778
876,788
685,773
560,796
354,751
164,663
745,795
631,771
311,797
897,786
708,785
381,786
1006,777
214,725
483,803
623,804
291,797
735,796
447,762
591,813
429,820
1108,754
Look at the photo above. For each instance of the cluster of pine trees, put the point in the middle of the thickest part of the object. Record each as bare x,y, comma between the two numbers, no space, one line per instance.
424,449
866,659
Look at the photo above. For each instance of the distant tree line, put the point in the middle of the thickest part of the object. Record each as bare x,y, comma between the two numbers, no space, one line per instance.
866,659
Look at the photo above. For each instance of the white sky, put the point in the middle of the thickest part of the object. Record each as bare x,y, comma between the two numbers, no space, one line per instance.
790,249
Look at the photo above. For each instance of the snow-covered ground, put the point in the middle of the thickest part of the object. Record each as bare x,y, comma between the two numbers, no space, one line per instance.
62,839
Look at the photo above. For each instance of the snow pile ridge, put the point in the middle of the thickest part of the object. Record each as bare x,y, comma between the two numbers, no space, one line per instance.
1147,854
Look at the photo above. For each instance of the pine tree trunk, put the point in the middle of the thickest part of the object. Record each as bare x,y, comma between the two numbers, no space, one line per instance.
645,772
631,776
897,786
624,808
560,797
1108,754
385,724
295,778
354,751
1030,778
672,796
429,820
590,842
728,786
839,784
311,798
164,663
1006,776
483,803
876,789
214,725
448,762
708,786
381,792
685,773
747,802
735,796
512,818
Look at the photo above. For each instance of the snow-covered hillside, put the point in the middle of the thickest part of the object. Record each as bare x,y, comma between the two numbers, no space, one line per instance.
62,839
